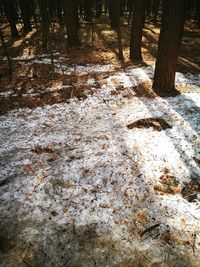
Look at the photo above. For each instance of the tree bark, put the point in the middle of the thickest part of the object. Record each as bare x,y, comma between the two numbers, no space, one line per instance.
98,8
88,10
45,22
113,17
116,5
6,52
26,14
10,10
136,30
148,4
156,4
59,11
197,15
72,22
172,26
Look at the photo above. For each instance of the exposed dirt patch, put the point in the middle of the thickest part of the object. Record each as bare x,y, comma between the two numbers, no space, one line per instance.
144,89
47,98
190,191
40,150
167,184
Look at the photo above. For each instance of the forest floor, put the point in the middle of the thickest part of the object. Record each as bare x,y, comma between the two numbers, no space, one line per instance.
95,169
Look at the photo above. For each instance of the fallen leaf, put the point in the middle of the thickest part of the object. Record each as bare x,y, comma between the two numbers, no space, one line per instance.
70,184
54,213
177,189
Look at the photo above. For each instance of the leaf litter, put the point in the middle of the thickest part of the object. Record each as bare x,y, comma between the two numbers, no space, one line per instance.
86,190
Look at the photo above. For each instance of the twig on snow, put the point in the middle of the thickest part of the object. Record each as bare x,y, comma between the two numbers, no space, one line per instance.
194,241
149,229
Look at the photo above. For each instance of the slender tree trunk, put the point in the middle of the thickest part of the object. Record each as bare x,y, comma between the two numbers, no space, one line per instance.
1,8
106,6
45,22
10,10
148,4
59,11
98,8
156,4
51,8
113,17
172,26
33,13
136,30
122,7
72,22
80,7
26,14
6,52
116,5
88,10
130,9
197,15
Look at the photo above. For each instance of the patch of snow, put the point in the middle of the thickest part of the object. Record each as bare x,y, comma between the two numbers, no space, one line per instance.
85,182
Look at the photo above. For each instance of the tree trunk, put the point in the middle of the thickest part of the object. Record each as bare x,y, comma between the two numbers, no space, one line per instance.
156,4
52,8
136,30
172,26
119,37
1,8
197,15
122,7
72,22
98,8
80,7
148,4
88,10
113,17
45,22
26,14
59,11
6,52
129,9
10,10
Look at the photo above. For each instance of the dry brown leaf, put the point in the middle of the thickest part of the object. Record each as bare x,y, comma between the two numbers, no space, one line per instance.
70,184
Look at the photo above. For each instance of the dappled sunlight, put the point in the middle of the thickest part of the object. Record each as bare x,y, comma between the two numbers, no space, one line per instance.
95,168
86,167
25,38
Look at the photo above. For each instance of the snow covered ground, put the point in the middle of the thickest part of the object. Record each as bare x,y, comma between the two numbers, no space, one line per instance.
78,188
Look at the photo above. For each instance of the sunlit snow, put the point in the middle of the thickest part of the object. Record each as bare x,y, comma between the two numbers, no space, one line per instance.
98,175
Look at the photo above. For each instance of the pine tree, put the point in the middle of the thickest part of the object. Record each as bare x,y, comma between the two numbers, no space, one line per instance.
136,30
72,22
172,25
11,14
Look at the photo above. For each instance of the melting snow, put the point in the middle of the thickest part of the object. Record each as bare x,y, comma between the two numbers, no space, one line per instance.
83,201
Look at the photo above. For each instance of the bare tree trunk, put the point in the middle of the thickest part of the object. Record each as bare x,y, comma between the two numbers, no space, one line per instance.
26,14
45,22
119,35
156,4
130,9
88,10
72,22
10,10
136,30
6,52
113,17
197,15
98,8
172,25
148,4
59,11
